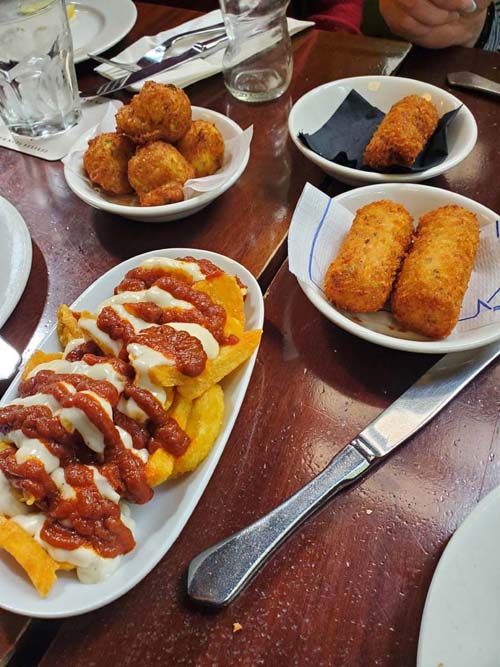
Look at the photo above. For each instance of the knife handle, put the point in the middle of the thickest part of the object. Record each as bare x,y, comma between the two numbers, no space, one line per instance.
219,574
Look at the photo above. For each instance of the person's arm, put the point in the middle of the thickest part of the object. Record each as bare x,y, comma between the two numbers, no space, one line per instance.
337,14
437,23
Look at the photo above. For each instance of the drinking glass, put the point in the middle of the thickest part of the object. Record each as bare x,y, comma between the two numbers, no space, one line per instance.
257,63
38,89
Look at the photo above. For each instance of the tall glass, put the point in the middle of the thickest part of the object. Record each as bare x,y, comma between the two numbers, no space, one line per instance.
38,89
258,63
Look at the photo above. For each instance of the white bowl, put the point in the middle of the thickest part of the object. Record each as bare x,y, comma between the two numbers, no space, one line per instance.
313,110
380,327
82,187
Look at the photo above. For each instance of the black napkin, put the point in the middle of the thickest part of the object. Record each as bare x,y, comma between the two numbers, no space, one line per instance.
345,135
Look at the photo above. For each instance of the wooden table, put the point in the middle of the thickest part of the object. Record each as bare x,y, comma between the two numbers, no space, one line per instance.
348,589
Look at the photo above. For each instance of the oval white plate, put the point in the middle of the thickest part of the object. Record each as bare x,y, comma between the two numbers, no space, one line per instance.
381,328
15,258
159,522
97,26
315,108
83,188
461,620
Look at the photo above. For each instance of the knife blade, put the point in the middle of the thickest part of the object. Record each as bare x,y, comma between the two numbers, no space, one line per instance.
472,81
199,50
219,574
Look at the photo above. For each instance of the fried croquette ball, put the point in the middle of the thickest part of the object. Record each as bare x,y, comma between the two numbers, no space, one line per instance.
203,147
159,111
403,133
435,274
157,165
105,162
170,193
361,276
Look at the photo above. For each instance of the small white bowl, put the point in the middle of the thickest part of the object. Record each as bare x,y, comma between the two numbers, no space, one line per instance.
82,187
380,327
313,110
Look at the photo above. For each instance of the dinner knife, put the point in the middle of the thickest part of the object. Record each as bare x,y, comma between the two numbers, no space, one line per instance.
218,574
198,50
472,81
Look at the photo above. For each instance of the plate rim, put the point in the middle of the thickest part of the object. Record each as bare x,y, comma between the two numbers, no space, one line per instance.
128,11
401,344
247,370
19,227
368,177
491,498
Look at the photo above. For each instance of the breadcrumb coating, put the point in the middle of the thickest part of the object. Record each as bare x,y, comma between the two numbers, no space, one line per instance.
156,165
105,162
361,276
203,147
403,133
434,277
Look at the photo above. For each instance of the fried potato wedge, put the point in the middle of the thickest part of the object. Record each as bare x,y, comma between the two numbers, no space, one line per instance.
159,467
203,427
230,357
67,326
225,291
39,357
33,558
181,409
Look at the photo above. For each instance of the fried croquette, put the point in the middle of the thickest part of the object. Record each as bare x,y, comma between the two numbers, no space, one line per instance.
159,111
158,165
203,147
434,277
361,276
170,193
105,162
403,133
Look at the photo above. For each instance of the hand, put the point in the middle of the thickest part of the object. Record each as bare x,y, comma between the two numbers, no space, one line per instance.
436,24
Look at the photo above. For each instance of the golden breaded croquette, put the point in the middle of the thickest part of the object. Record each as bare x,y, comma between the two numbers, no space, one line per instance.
361,276
170,193
105,162
159,111
403,133
203,147
434,277
155,165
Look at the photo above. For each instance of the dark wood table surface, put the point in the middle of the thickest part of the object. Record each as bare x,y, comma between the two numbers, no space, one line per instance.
348,589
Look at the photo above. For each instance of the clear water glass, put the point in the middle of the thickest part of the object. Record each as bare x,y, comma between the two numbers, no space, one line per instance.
38,88
258,60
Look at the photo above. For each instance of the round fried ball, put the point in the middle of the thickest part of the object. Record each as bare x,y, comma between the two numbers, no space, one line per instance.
159,111
155,165
105,162
203,147
170,193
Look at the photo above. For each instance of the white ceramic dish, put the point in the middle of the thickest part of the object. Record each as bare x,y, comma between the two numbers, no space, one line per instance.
83,189
312,110
159,522
97,26
381,328
462,612
15,258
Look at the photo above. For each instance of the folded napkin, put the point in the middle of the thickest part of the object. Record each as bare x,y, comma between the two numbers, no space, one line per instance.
196,70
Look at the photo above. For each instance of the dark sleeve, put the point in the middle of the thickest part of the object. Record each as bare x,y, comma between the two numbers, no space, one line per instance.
337,14
489,39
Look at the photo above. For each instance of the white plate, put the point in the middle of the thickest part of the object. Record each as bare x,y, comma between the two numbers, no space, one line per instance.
15,258
461,620
315,108
97,26
160,521
381,328
81,186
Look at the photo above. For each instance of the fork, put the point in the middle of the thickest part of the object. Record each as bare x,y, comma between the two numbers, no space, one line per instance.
154,55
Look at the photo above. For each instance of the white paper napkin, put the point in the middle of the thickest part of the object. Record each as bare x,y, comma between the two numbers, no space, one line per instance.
55,147
319,226
190,72
234,153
